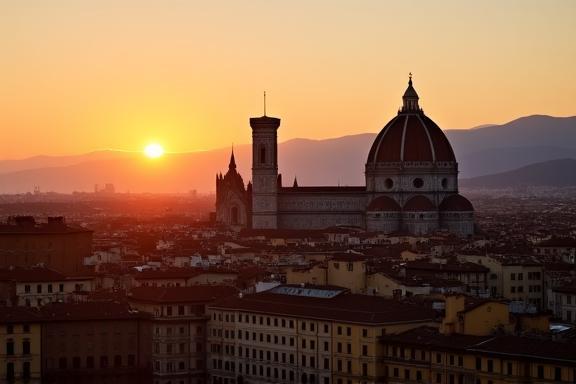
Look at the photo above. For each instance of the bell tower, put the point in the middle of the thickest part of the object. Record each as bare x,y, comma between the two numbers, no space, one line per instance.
264,172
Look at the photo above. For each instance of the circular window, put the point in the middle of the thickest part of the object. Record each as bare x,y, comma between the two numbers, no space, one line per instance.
444,183
418,182
388,183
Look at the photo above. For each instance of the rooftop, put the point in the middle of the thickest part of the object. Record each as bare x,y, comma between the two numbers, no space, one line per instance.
344,307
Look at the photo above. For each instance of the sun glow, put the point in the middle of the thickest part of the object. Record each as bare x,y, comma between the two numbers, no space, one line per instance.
153,150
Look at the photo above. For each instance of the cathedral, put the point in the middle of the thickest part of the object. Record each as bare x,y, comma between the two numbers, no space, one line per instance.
411,184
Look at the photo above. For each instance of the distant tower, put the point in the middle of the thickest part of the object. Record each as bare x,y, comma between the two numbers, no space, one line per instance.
264,172
232,199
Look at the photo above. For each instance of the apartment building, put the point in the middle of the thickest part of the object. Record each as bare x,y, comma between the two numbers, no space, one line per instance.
424,355
516,278
179,322
20,345
304,334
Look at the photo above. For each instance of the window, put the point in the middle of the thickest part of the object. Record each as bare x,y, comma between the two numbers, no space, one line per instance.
76,362
103,361
364,332
26,347
388,183
39,288
90,362
26,328
364,369
557,374
490,365
262,154
10,347
26,370
418,183
508,368
348,331
27,288
478,363
10,371
364,350
540,372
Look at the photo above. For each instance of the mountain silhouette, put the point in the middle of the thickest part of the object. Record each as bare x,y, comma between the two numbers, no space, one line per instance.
553,173
484,150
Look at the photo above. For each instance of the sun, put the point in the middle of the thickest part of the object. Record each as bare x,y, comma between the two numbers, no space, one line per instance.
153,150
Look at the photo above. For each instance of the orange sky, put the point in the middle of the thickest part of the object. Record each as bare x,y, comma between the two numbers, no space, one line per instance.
77,76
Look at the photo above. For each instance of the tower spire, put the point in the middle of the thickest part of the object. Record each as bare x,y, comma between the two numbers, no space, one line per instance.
232,164
264,103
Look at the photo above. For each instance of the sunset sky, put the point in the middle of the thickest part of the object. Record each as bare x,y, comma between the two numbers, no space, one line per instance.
77,76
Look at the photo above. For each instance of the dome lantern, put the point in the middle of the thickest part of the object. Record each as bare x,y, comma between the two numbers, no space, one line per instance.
410,98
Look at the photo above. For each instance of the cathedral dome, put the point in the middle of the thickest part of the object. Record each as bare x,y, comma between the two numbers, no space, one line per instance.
456,203
384,203
411,136
419,203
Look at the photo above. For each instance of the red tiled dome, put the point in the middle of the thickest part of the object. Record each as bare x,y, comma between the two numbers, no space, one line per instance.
418,204
384,203
411,136
456,203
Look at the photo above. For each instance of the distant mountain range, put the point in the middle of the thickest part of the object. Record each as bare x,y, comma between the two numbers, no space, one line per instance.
552,173
483,150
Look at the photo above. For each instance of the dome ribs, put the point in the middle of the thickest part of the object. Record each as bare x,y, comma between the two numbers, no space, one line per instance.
417,146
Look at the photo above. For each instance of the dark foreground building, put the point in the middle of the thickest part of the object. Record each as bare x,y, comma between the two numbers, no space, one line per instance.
24,242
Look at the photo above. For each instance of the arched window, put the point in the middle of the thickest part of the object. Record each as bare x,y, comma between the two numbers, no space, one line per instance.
262,154
234,215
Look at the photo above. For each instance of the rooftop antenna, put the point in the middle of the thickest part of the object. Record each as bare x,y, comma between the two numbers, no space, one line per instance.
264,103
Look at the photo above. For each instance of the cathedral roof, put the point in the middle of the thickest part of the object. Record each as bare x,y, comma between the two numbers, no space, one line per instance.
419,203
456,203
384,203
411,136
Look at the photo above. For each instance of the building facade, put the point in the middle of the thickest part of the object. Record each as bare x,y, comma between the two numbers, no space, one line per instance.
411,184
304,334
179,329
53,244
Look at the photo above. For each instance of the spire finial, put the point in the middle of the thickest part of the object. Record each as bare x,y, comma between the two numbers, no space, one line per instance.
232,164
410,78
295,184
264,103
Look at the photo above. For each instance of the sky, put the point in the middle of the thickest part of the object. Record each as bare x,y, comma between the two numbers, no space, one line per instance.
78,76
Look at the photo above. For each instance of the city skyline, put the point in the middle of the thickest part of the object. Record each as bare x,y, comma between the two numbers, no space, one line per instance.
122,76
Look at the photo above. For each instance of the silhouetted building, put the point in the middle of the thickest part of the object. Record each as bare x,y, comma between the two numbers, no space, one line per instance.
54,244
411,184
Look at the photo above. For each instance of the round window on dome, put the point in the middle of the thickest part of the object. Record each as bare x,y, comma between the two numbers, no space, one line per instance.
444,183
418,183
388,183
